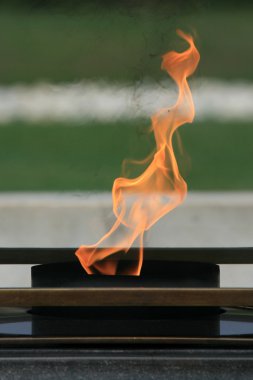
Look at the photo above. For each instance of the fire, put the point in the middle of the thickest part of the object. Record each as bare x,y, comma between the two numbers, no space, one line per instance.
140,202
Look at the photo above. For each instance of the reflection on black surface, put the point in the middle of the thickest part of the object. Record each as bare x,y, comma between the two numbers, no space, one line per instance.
19,322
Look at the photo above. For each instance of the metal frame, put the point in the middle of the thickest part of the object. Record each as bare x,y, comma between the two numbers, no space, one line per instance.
23,341
138,297
241,255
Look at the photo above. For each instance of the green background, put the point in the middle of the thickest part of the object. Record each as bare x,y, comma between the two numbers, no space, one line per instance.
119,43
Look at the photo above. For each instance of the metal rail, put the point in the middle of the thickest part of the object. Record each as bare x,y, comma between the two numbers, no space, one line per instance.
137,297
241,255
17,341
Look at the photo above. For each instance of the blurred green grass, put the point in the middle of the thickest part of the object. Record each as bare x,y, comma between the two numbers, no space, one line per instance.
47,157
120,44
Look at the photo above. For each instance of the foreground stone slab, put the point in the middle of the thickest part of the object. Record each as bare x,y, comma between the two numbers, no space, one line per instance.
197,364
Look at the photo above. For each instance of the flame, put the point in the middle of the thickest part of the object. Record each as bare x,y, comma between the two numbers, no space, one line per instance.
140,202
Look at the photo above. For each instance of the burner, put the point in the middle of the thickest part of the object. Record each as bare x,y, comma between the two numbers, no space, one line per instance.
154,274
129,321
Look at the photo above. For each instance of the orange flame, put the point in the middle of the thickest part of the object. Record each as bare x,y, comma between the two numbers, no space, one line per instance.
140,202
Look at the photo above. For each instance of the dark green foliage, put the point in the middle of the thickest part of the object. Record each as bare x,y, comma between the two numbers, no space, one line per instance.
88,157
120,43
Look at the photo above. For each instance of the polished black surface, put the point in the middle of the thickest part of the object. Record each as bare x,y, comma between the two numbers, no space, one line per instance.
230,322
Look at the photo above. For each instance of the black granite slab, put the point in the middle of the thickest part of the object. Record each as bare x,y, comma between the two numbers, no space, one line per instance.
126,364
